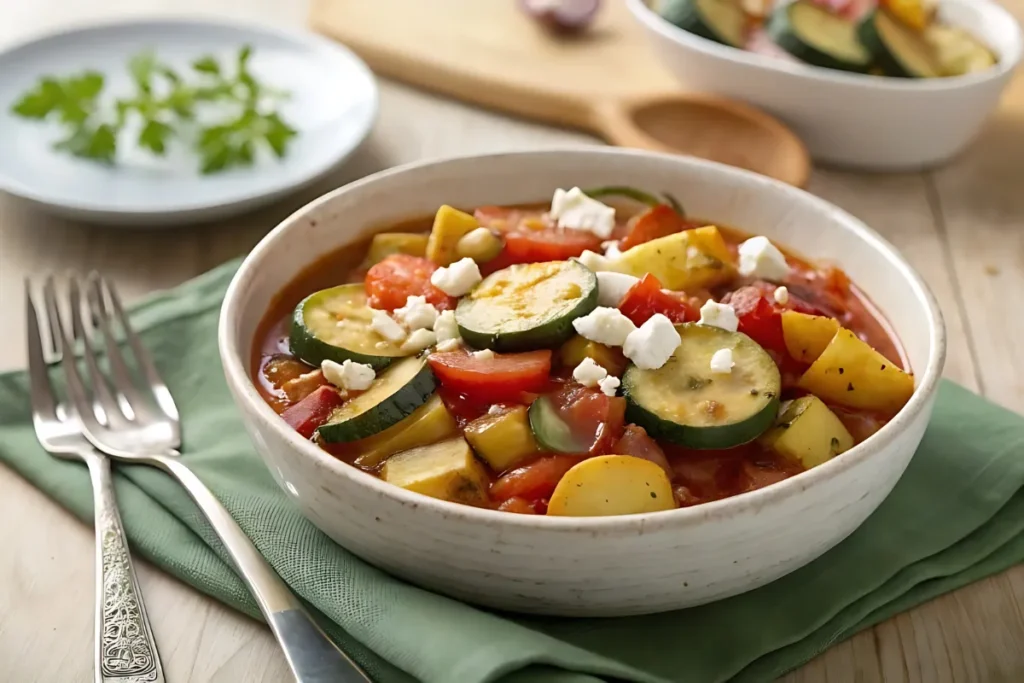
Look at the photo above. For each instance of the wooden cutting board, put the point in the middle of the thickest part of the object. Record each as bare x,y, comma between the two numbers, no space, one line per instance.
489,53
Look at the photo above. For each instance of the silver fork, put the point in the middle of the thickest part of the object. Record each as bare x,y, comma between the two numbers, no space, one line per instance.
141,425
125,648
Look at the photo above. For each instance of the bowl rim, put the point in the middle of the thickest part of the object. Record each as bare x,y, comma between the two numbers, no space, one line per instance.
236,364
1006,64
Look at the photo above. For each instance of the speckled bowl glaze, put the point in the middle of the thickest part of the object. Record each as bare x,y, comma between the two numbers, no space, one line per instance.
586,566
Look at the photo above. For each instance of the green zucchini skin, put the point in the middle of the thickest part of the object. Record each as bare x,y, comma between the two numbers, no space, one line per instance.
685,380
313,348
887,56
782,27
394,395
546,332
550,431
692,16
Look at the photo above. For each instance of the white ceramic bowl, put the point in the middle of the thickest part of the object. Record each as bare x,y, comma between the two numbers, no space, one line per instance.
586,566
848,119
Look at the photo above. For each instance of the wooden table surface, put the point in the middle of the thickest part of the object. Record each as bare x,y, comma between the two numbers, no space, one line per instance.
961,226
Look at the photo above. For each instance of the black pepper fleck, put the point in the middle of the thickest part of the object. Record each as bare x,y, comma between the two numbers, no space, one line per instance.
840,371
653,494
753,392
883,366
849,387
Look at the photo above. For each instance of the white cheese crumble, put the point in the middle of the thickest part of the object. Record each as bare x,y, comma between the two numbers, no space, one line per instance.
458,278
596,262
605,325
653,343
348,375
384,325
721,361
577,211
446,328
612,287
761,259
611,250
781,296
419,340
448,345
416,314
495,410
608,385
588,373
477,241
483,354
719,315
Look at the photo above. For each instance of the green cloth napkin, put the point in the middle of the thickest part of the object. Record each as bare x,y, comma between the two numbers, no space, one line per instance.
956,516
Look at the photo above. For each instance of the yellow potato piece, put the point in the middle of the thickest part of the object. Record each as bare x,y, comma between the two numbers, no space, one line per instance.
503,440
445,470
612,485
808,433
851,373
428,424
450,225
806,336
689,259
385,244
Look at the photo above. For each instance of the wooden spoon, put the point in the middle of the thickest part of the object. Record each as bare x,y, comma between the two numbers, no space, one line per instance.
603,81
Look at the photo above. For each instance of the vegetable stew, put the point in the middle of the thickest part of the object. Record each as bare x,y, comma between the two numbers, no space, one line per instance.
605,354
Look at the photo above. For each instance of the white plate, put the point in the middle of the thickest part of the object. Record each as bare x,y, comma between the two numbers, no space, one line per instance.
333,104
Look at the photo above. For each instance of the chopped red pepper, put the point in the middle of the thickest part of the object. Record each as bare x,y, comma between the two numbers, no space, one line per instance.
646,298
312,411
659,221
534,481
399,276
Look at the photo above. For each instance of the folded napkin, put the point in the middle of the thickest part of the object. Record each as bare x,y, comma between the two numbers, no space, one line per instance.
956,516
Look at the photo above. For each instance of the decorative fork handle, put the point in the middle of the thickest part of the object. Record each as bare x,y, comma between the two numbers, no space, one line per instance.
312,656
125,649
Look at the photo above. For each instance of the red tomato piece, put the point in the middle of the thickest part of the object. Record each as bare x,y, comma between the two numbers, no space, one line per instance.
399,276
535,481
635,442
758,318
659,221
312,411
595,418
537,246
502,378
519,506
796,301
646,298
757,476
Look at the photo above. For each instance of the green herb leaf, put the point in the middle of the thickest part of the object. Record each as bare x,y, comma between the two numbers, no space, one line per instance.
207,64
278,134
99,143
154,136
41,100
142,66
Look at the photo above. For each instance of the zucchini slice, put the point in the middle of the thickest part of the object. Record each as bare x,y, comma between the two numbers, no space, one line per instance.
551,431
395,394
528,306
686,403
817,36
334,324
899,50
722,21
645,198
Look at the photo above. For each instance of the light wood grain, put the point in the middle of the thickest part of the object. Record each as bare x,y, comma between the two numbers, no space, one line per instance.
961,227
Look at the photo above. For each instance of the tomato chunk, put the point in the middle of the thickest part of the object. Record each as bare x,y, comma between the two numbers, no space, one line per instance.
591,416
646,298
636,442
519,506
658,221
534,481
548,244
502,378
399,276
312,411
758,318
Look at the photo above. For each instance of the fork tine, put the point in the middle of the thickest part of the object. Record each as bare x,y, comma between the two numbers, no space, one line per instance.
130,399
40,390
161,393
76,388
53,315
111,408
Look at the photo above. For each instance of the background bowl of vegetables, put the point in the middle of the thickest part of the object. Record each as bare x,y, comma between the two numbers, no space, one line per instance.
892,86
572,565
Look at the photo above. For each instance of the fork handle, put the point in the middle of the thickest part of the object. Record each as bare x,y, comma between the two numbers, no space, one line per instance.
312,656
125,648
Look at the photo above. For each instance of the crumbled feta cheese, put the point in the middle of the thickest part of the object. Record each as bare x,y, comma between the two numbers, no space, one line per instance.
419,340
384,325
483,354
577,211
495,410
348,375
588,373
608,385
721,361
448,345
653,343
781,296
478,242
611,250
761,259
446,328
611,287
416,314
458,278
605,325
719,315
596,262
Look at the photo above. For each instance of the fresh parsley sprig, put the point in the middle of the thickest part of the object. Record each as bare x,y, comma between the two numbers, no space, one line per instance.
168,105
